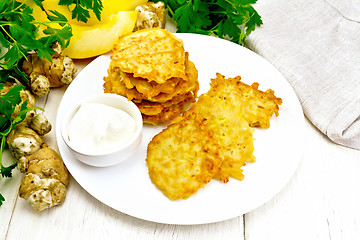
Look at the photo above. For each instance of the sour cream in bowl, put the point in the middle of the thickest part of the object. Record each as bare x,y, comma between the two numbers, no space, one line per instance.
102,130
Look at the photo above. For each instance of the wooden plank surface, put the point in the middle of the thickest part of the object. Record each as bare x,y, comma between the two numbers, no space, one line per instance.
9,189
322,201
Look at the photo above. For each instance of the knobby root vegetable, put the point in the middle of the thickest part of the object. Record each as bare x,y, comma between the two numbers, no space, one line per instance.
23,140
39,124
46,176
44,74
151,15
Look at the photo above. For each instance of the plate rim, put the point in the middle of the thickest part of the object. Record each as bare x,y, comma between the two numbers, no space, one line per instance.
181,36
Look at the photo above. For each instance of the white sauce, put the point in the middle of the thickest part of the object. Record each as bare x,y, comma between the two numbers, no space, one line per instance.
98,128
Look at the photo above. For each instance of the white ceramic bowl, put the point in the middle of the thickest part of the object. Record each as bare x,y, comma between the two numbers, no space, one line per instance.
114,156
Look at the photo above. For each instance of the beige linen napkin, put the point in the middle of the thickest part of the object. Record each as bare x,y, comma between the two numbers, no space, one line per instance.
315,44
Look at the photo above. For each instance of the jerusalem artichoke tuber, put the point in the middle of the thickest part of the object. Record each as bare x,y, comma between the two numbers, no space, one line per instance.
151,15
46,177
44,74
23,141
39,124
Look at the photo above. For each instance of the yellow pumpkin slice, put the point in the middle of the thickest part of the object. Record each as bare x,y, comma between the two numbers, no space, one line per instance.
90,41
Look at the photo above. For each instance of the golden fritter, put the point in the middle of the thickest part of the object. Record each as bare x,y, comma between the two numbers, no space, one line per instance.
114,83
154,108
257,106
183,158
222,111
111,80
168,113
230,107
230,129
154,54
150,89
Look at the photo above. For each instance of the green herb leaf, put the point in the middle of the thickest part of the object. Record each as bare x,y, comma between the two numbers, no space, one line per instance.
19,35
80,13
2,199
62,35
10,100
7,171
57,17
230,19
22,114
81,10
97,8
192,15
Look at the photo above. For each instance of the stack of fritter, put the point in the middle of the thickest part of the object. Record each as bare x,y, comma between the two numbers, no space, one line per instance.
214,137
151,68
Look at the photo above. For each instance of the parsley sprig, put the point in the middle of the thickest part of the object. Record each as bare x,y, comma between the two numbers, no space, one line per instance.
229,19
20,35
8,101
81,10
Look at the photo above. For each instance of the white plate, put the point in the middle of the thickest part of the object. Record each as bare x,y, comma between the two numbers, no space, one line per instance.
127,186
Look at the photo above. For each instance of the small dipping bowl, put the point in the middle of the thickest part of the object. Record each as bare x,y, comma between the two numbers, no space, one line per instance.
115,156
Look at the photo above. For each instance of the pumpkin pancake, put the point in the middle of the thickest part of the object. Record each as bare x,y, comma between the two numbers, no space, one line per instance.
150,89
230,129
183,158
154,54
168,113
257,106
154,108
114,83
